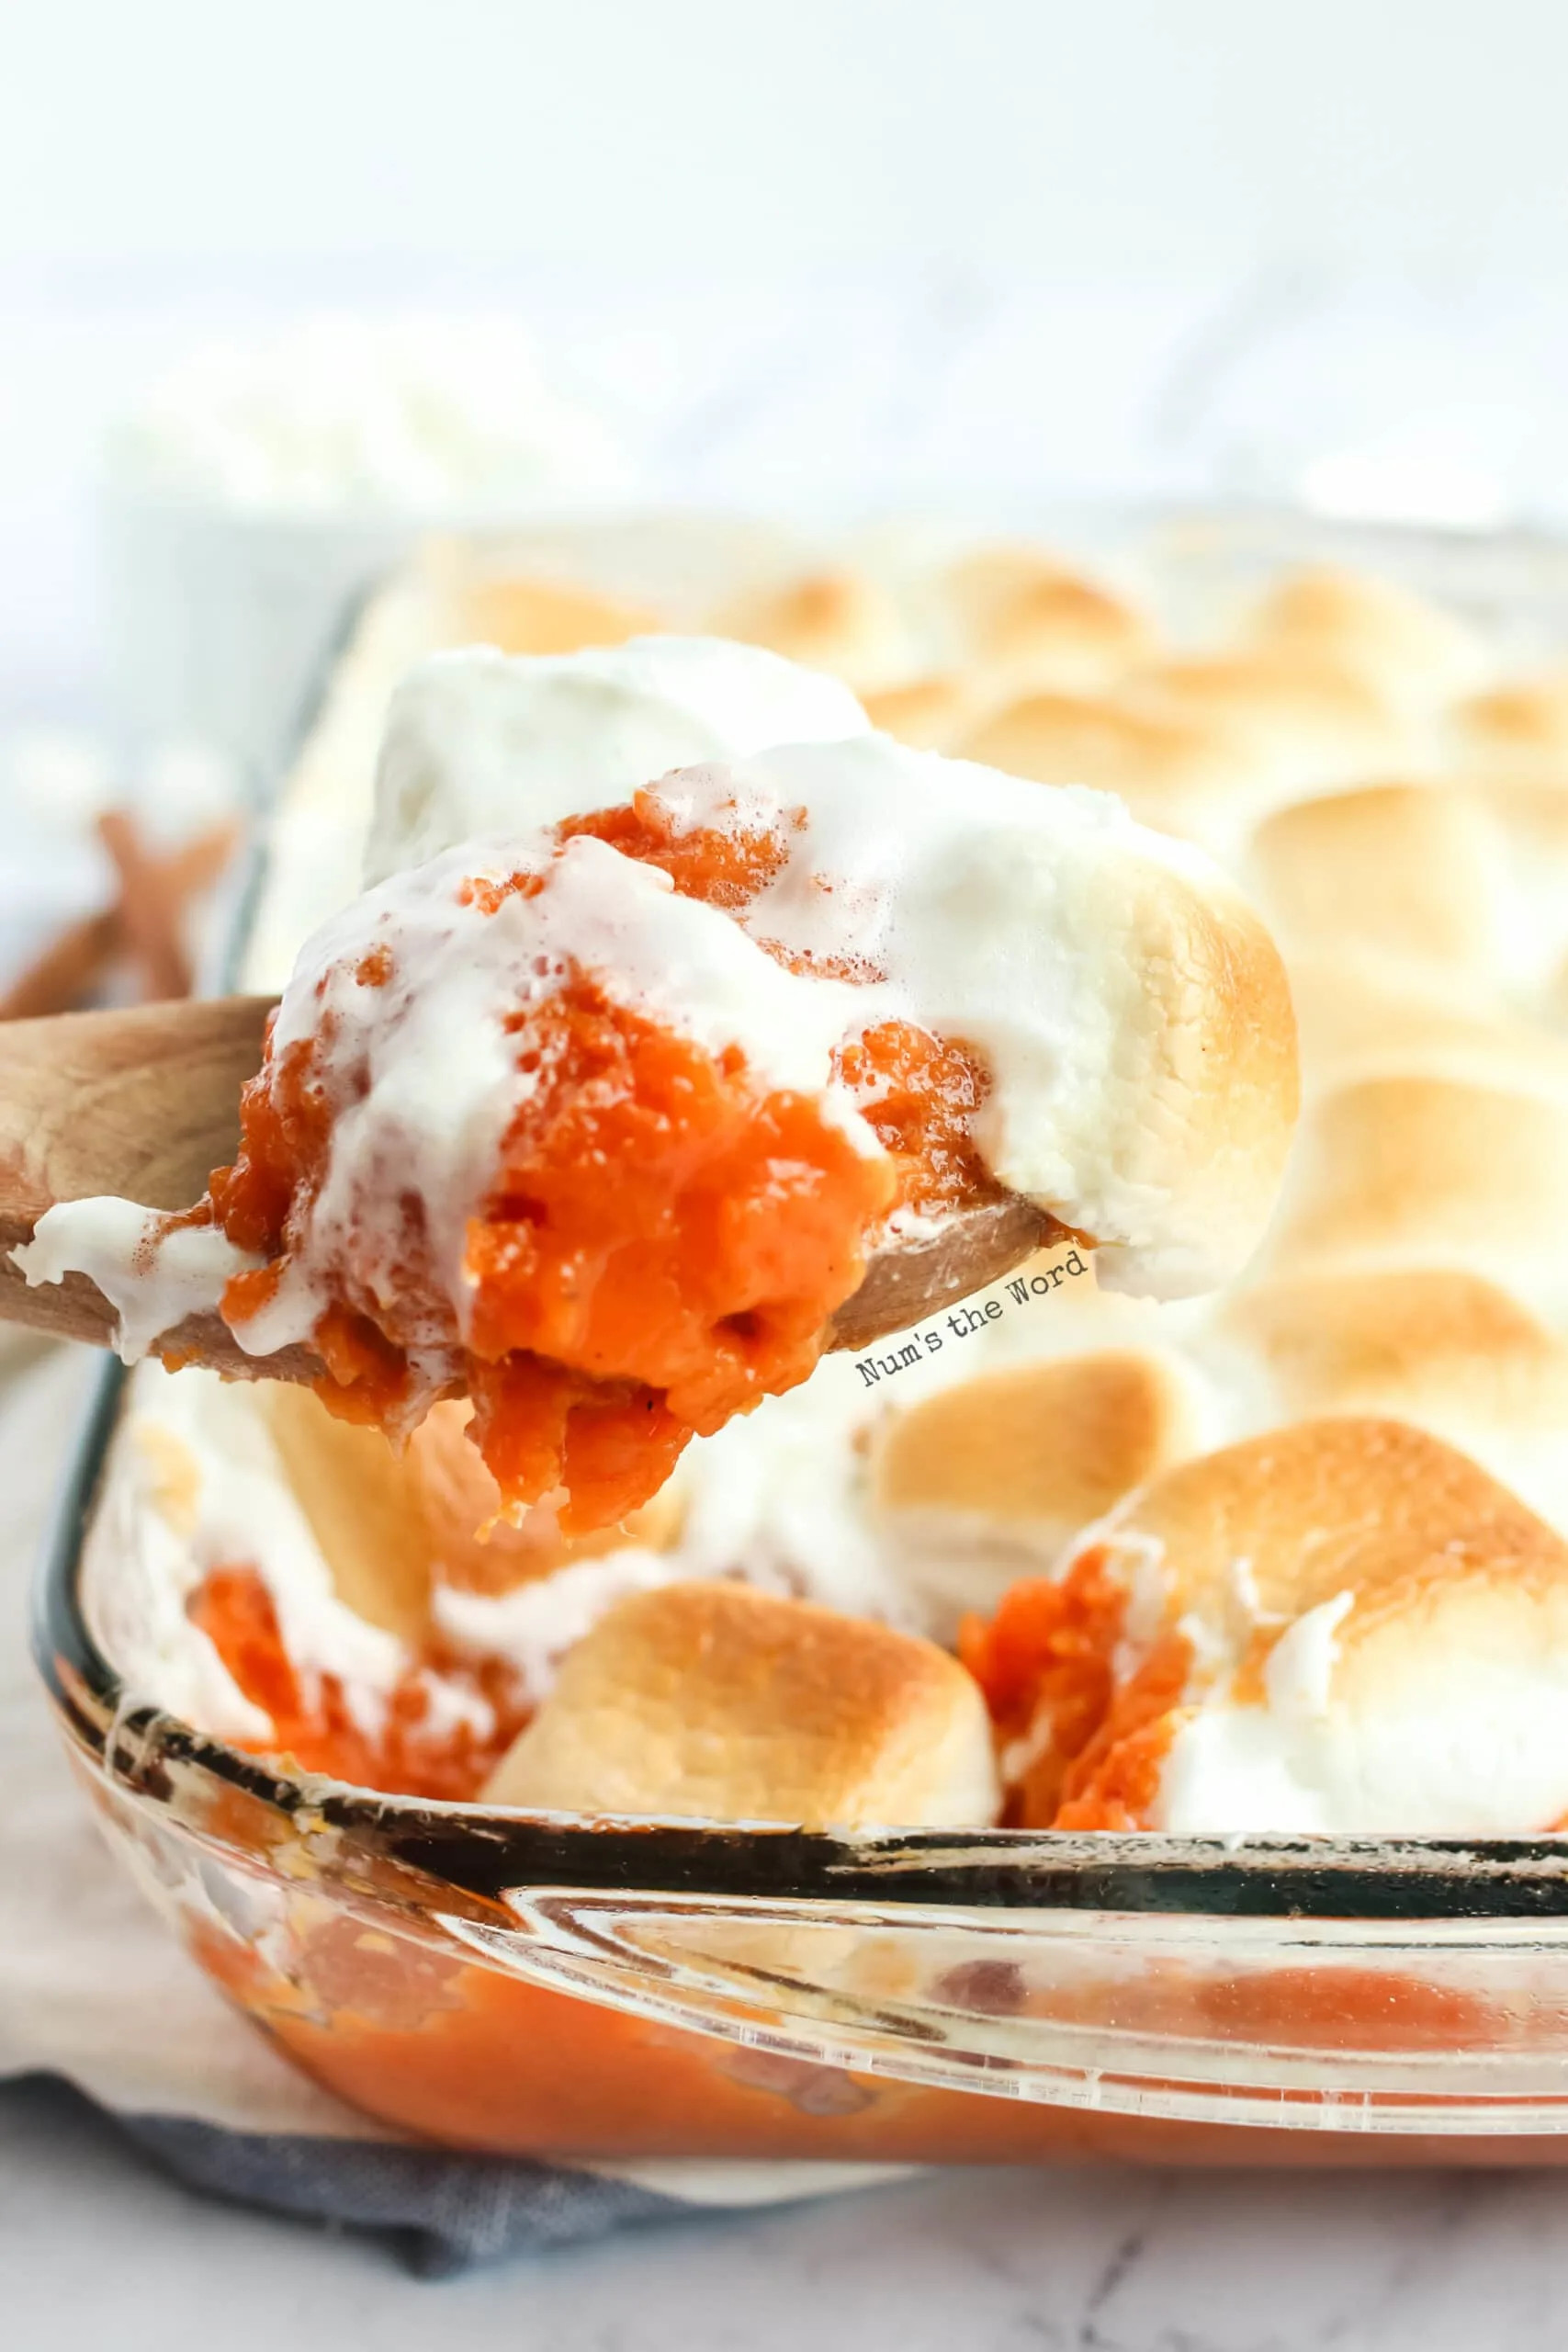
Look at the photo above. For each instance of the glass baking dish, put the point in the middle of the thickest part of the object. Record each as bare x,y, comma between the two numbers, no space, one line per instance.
542,1985
546,1985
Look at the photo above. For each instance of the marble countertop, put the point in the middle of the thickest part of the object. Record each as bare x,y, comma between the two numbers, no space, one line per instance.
98,2248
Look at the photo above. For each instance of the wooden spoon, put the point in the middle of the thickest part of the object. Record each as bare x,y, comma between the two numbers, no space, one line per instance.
145,1103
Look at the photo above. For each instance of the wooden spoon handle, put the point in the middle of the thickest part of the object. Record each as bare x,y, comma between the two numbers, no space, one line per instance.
143,1102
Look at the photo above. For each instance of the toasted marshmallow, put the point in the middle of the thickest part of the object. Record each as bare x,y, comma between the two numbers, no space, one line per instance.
394,1528
1184,775
844,622
1414,652
1129,1006
1519,730
1406,869
1028,620
520,615
1444,1349
1379,1633
989,1478
717,1703
1530,820
1412,1170
931,714
1363,1014
1308,717
476,743
199,1482
1202,749
364,1506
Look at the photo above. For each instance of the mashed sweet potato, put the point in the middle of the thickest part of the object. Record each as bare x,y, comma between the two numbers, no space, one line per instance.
1079,1749
663,1242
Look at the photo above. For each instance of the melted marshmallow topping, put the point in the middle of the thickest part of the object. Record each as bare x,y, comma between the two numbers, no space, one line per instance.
478,743
1469,1745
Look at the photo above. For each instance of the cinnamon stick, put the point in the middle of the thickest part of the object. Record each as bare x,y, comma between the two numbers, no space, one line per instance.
149,906
69,970
72,967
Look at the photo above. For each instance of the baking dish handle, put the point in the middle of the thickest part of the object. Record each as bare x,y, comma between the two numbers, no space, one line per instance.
1331,2025
830,1986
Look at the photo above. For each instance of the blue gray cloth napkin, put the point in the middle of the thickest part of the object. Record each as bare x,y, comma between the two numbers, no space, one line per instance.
440,2211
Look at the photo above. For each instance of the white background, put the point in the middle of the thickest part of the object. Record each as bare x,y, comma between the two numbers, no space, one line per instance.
879,246
1131,135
